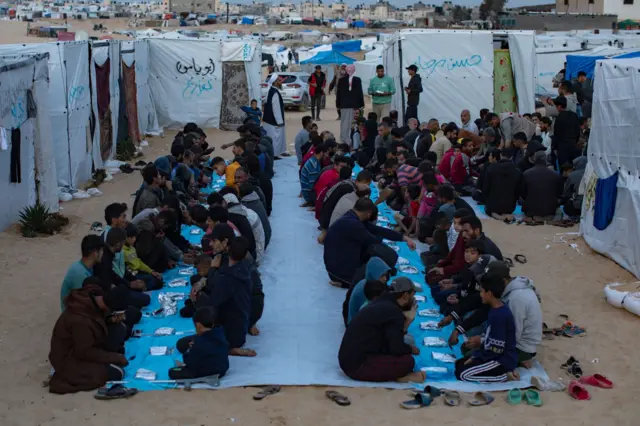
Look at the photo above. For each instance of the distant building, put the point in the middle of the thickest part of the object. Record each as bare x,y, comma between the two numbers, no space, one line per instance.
624,9
193,6
555,21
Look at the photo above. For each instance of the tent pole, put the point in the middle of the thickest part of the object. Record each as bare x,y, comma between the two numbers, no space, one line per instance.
66,103
401,82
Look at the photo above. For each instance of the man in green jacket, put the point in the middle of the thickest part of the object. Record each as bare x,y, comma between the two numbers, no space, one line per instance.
381,88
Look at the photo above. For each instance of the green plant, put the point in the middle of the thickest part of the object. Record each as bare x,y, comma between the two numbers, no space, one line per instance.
33,219
125,150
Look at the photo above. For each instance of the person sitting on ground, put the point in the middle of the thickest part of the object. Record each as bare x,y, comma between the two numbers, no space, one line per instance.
540,190
373,347
238,217
413,133
198,283
230,289
135,266
302,137
432,257
500,186
151,194
260,180
143,219
115,216
220,167
310,174
208,353
234,206
430,185
242,177
447,199
571,195
91,247
347,202
253,112
497,356
349,237
328,178
376,270
408,222
344,175
86,345
444,143
184,185
519,148
461,167
251,200
528,158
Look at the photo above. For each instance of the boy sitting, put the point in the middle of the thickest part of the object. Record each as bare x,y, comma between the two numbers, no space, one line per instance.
198,284
207,353
497,356
135,266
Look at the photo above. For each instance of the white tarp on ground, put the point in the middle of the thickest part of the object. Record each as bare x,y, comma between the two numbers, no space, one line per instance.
523,58
17,76
456,70
147,118
100,52
613,147
186,78
68,84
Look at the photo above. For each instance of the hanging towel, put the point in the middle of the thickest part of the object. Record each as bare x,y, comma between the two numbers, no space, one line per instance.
15,168
605,203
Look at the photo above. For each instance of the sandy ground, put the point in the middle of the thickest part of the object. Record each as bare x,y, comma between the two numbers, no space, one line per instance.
570,283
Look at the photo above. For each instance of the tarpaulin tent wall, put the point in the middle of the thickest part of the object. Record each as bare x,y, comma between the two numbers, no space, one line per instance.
69,105
20,77
328,57
366,70
186,77
551,54
613,148
138,52
586,61
347,46
101,52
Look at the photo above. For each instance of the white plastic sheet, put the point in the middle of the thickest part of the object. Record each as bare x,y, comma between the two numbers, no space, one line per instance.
456,70
613,147
523,58
147,118
186,81
547,66
237,51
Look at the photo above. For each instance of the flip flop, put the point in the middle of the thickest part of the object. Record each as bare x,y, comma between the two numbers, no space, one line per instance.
577,391
433,391
481,398
265,392
514,397
115,392
508,261
452,398
338,398
520,258
420,400
532,397
570,361
575,370
597,380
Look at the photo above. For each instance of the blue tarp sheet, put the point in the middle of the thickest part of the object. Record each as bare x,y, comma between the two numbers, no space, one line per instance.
328,57
587,63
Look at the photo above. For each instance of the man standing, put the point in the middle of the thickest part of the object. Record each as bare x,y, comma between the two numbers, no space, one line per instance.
413,93
566,132
317,82
350,99
337,75
381,88
273,117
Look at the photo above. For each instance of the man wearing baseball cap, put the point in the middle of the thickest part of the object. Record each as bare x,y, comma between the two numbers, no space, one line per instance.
373,348
413,90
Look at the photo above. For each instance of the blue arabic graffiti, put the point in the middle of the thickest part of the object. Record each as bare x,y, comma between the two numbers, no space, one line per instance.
246,52
76,93
17,113
196,88
432,65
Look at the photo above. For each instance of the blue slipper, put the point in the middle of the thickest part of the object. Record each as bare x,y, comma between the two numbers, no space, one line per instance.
420,400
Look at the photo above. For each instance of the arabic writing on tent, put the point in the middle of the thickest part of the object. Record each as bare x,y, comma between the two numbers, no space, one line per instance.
192,68
432,65
196,88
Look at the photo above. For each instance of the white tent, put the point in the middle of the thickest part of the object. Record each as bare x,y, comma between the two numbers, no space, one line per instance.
461,80
69,105
192,71
149,32
366,70
551,54
24,117
614,149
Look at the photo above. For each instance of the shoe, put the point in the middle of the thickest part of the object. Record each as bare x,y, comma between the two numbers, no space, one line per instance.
597,380
532,397
514,397
318,119
577,391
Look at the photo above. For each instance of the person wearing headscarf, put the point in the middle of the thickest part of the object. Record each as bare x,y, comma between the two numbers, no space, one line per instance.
273,116
350,98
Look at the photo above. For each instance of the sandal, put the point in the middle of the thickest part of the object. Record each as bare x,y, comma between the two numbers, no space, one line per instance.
514,397
452,398
575,370
577,391
532,397
508,261
481,398
597,380
520,258
339,398
420,400
115,392
265,392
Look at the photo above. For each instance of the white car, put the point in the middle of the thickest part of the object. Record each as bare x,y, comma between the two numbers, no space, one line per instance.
294,90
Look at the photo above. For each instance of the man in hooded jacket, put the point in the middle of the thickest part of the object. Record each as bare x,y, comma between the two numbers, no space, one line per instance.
376,270
541,188
571,197
500,184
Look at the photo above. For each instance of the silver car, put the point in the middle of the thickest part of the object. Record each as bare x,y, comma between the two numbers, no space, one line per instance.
294,90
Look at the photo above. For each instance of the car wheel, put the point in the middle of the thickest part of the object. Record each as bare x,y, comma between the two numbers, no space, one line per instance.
304,105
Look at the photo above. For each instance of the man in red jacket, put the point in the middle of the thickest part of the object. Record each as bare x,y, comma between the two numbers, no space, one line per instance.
461,164
317,82
454,262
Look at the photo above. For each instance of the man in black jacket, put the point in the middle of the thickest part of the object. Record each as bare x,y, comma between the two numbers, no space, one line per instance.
500,185
566,132
373,348
541,189
413,90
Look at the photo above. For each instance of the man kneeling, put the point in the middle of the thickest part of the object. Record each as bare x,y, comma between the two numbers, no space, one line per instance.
373,348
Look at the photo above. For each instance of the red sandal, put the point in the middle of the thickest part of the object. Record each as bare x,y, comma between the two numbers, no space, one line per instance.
597,380
578,391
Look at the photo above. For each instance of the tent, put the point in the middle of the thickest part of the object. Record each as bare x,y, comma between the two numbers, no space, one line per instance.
328,57
551,54
613,150
359,24
586,61
366,70
23,84
69,105
212,77
347,46
457,70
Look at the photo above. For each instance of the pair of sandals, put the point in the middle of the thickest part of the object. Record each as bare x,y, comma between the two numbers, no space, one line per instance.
334,396
451,398
520,258
573,367
530,396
